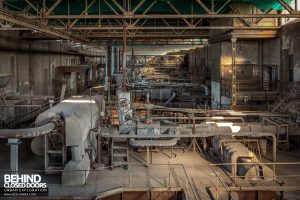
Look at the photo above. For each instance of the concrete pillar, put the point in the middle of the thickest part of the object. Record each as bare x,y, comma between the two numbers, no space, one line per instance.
233,80
124,58
116,60
120,59
74,82
109,60
14,154
112,61
106,67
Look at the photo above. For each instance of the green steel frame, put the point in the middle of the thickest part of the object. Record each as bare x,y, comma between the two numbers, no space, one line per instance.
86,20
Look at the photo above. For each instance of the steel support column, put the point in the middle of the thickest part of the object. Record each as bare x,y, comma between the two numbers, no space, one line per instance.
233,80
116,60
109,61
14,154
124,57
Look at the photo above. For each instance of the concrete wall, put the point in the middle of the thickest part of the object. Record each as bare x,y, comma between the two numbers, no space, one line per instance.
198,64
214,62
252,56
271,52
290,59
32,64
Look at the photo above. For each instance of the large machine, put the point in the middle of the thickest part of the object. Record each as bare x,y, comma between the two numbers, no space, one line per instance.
241,161
71,147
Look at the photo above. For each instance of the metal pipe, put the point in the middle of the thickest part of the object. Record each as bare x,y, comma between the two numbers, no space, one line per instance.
170,99
153,143
124,57
16,105
26,97
211,133
206,90
200,118
27,132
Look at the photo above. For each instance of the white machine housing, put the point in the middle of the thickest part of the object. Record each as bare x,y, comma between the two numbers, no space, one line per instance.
80,114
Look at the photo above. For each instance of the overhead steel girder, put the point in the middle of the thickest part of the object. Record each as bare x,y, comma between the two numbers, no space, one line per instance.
203,6
152,36
23,21
174,28
53,7
286,6
85,11
169,16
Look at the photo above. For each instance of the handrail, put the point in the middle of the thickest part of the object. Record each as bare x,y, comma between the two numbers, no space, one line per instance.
126,176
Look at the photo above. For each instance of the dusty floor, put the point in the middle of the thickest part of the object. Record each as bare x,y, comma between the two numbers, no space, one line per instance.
187,170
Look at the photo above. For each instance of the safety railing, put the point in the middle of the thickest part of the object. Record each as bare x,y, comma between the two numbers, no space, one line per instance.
281,178
134,177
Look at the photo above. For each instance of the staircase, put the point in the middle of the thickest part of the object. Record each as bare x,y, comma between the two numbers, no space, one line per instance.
119,152
55,150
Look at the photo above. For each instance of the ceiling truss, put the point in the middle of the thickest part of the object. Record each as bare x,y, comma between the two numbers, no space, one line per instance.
138,23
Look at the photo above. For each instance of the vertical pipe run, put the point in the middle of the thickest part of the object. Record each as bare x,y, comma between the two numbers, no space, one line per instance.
233,81
124,50
124,57
109,61
116,60
106,70
44,9
99,148
69,21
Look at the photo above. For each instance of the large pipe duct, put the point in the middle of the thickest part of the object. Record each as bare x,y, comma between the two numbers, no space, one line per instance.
170,99
153,143
14,135
27,132
244,162
255,131
206,89
79,116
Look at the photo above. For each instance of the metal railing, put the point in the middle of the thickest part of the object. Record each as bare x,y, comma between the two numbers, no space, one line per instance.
137,177
278,181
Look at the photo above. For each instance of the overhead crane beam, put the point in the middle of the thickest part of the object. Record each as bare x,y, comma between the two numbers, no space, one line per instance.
34,25
169,16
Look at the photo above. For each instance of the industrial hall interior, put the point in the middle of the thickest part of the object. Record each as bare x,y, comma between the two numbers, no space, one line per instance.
150,99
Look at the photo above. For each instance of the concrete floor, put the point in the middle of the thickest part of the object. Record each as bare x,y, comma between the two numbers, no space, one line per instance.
188,170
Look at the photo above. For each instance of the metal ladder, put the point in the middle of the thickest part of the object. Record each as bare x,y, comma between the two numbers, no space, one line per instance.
55,150
119,152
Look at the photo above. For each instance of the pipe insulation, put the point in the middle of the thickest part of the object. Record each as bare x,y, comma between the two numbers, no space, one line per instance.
206,89
170,99
27,132
153,143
